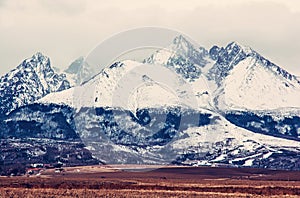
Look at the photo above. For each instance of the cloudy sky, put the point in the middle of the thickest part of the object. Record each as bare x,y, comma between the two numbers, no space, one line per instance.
67,29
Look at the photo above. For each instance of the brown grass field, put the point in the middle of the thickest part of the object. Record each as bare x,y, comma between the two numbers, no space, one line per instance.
103,181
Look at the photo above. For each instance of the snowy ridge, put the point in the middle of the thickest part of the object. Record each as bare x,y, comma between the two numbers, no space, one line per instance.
130,85
97,91
180,48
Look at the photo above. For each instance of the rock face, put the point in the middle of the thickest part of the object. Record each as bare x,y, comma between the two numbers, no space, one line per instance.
183,57
40,134
247,111
30,81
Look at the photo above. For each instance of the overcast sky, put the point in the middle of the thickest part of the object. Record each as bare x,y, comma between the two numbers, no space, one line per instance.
67,29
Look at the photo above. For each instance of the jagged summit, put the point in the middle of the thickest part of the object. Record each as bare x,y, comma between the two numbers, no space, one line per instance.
232,49
189,50
39,56
180,46
31,80
33,61
234,53
79,71
234,45
180,42
182,56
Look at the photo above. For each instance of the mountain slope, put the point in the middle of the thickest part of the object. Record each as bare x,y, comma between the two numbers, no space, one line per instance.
246,80
40,134
251,85
223,143
156,136
31,80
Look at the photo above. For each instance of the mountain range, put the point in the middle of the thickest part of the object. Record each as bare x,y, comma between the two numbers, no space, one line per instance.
243,110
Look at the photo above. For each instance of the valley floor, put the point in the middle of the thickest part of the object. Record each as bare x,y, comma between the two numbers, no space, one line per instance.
172,181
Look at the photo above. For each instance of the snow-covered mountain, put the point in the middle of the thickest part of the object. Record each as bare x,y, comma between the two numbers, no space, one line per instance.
235,80
35,78
136,132
30,81
227,106
246,80
78,72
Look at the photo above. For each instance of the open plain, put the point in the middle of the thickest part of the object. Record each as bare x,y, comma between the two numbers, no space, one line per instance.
147,181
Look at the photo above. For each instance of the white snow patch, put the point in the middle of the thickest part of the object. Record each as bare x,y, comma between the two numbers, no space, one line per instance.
251,85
